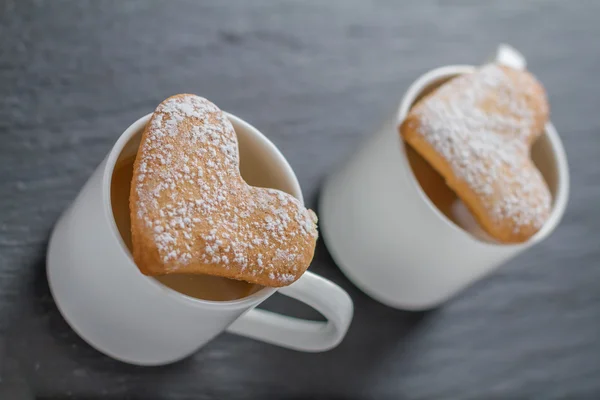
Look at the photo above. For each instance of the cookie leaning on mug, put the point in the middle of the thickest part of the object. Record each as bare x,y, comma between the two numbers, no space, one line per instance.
477,130
191,211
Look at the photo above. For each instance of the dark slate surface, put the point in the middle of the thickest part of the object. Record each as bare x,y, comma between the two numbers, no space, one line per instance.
316,77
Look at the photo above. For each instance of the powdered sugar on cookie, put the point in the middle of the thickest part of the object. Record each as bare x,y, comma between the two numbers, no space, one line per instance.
197,212
483,125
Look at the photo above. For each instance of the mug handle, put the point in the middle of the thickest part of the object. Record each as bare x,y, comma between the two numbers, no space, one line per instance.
295,333
508,55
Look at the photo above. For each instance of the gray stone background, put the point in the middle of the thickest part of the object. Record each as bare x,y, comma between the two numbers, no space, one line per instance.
316,77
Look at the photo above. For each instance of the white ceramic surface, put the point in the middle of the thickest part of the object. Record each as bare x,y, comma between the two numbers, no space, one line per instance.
133,318
391,241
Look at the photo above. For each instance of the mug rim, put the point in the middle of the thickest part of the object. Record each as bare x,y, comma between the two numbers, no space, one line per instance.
107,174
560,197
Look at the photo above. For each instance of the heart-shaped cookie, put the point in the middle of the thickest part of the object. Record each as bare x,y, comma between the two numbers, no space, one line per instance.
191,211
477,131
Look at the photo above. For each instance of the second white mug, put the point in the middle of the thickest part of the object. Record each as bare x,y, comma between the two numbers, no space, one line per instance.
388,237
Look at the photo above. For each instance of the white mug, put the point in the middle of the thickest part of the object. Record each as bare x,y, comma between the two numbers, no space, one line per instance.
134,318
387,236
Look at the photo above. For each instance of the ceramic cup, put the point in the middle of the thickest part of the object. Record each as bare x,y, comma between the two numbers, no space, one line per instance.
134,318
388,237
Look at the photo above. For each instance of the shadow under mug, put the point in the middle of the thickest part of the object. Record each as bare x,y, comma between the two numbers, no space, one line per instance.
132,317
388,237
